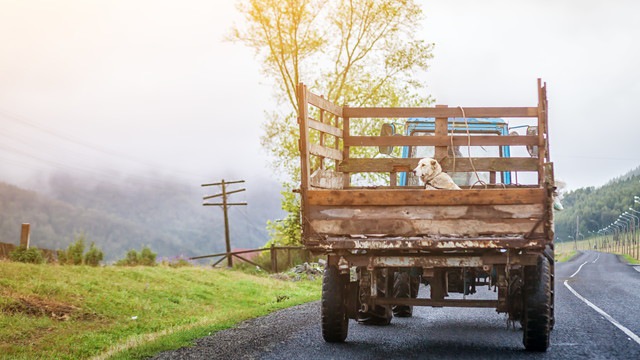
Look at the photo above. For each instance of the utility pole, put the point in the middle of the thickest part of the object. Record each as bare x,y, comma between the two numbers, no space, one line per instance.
225,205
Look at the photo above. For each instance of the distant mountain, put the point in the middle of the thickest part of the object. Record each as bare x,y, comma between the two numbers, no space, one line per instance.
593,208
168,217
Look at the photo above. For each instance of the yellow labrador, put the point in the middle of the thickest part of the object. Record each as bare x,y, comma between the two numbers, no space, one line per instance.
430,172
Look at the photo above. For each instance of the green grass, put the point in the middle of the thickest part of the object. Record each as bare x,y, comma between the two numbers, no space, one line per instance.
630,259
76,312
565,255
564,251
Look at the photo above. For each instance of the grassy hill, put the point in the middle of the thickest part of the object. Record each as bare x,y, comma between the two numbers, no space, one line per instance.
167,216
77,312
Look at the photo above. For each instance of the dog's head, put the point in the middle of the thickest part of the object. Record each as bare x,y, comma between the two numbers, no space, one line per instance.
427,169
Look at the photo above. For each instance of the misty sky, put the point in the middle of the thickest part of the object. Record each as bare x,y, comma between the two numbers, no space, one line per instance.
150,87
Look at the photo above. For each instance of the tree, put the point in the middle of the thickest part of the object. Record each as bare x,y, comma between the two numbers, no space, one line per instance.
356,52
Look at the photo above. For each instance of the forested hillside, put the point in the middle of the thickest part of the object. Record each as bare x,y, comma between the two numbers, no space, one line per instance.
167,216
596,207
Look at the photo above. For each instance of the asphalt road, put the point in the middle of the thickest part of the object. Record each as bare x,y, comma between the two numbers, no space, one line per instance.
600,321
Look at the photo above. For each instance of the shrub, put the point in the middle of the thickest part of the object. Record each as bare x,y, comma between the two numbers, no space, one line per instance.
74,255
93,256
75,251
145,257
31,255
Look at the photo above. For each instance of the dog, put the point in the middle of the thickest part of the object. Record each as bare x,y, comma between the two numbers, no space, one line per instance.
430,172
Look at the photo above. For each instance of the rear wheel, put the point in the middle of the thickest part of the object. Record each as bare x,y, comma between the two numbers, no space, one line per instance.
335,323
537,319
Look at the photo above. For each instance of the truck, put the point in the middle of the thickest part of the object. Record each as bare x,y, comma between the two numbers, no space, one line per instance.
385,242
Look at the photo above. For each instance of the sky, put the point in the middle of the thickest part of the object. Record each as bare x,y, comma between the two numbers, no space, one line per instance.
150,87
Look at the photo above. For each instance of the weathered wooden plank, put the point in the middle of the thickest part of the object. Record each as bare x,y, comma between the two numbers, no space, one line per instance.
419,197
318,150
405,227
424,112
461,164
458,140
325,128
324,104
477,212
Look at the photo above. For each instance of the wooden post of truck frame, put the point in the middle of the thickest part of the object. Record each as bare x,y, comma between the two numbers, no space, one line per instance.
25,236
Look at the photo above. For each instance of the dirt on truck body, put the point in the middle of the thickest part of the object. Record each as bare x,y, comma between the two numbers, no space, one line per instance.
383,241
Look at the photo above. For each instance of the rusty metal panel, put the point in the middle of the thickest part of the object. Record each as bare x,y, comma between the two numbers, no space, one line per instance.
426,243
428,262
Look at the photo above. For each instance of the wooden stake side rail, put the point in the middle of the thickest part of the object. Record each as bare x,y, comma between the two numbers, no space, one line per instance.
451,112
421,197
354,165
457,140
324,104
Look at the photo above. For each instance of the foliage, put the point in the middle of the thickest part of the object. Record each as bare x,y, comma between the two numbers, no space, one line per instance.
75,251
595,207
357,52
75,255
94,255
287,232
145,257
31,255
67,312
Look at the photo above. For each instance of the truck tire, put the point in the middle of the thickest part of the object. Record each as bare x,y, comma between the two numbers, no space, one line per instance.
380,315
402,289
335,323
537,317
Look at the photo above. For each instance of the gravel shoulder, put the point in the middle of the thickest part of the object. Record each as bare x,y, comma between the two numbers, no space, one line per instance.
251,339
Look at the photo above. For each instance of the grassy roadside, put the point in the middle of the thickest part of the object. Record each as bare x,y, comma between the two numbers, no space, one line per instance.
77,312
564,251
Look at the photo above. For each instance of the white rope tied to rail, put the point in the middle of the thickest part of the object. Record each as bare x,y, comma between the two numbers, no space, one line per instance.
466,123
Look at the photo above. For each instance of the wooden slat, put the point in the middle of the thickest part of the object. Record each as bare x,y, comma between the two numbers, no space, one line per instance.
401,212
318,150
324,104
325,128
461,164
471,112
413,197
418,227
458,140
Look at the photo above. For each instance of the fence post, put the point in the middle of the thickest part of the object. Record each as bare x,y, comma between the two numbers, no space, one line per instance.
274,259
25,236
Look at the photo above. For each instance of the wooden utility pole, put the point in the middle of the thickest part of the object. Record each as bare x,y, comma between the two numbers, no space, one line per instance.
225,205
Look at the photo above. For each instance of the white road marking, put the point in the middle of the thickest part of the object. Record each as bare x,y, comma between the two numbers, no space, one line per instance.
598,257
624,329
579,268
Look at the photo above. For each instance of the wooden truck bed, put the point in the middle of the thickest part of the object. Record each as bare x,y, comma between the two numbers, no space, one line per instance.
397,217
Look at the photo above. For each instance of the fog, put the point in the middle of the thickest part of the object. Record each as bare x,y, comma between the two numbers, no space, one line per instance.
114,88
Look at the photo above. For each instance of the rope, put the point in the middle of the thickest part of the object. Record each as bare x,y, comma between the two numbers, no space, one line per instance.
466,123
